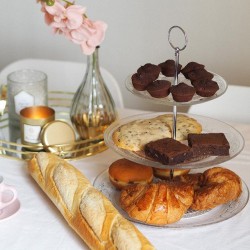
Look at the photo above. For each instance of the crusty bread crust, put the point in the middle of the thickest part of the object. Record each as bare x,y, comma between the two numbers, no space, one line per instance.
87,211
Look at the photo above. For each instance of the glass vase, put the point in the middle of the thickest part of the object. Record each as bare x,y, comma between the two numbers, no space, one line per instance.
93,108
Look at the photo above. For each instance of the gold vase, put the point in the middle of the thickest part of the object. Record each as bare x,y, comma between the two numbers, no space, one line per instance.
93,108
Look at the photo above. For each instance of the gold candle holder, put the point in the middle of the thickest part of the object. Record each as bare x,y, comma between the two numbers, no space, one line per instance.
32,121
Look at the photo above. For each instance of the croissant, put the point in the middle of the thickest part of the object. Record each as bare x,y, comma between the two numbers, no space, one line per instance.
193,179
219,186
158,203
85,209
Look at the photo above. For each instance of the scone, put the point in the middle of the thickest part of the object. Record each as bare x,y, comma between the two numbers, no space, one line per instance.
134,135
184,125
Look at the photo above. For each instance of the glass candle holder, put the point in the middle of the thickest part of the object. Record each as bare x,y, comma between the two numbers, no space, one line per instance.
25,88
32,121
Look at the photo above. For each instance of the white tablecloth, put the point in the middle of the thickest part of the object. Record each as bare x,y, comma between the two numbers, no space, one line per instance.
38,225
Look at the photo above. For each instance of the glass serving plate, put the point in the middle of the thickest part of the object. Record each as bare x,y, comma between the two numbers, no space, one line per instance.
209,125
169,100
190,219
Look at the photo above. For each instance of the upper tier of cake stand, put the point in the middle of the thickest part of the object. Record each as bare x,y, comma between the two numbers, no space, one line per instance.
169,100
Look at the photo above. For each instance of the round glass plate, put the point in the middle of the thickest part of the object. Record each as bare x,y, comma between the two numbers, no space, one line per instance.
169,100
190,219
209,125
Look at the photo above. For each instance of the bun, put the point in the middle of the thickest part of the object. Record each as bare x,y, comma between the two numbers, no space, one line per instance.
165,173
219,186
157,203
85,209
124,172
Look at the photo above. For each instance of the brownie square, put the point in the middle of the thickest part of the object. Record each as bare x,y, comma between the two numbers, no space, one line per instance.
210,144
168,151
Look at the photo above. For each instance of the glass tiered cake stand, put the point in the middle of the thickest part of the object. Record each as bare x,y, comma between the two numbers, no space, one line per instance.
209,125
190,219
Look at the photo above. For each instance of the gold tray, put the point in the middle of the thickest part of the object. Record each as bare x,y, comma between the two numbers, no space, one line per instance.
60,102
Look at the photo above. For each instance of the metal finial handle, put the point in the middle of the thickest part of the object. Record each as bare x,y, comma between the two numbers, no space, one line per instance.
169,38
177,51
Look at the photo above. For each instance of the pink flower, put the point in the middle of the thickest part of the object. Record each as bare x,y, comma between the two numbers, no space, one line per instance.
66,18
89,35
71,21
47,17
97,31
74,15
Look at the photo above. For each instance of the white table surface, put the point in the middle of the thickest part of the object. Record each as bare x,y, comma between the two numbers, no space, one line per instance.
38,224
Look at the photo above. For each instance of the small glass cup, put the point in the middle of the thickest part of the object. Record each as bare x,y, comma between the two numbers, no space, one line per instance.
25,88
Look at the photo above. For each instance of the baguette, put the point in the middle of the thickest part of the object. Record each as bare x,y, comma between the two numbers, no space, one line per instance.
87,211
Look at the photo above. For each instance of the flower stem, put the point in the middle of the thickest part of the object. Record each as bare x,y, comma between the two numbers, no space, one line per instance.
72,3
68,3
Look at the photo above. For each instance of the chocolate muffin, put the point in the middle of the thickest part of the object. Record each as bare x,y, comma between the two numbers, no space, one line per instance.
199,74
182,92
168,68
168,151
151,70
145,75
205,88
190,67
140,82
159,88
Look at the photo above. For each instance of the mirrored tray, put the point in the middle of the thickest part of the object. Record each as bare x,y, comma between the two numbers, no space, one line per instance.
190,219
60,102
169,100
209,125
